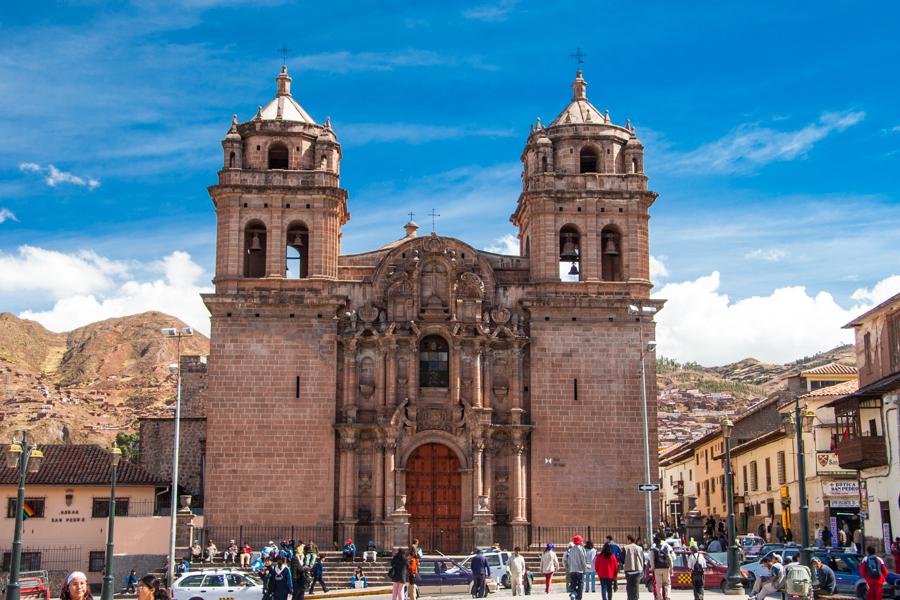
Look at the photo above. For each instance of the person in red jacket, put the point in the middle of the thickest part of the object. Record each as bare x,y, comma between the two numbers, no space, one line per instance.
607,567
868,568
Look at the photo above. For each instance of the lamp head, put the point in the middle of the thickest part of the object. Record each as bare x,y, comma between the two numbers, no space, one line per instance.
809,417
651,345
187,331
13,452
173,369
169,332
790,427
727,427
35,460
115,456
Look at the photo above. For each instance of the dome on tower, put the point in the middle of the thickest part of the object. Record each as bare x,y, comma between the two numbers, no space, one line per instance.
283,107
580,111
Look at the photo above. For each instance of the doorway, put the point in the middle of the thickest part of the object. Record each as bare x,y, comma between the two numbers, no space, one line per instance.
434,498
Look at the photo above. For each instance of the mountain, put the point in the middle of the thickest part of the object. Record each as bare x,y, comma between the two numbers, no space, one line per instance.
693,399
87,384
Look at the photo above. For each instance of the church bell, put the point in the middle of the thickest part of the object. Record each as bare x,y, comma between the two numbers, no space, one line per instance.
574,269
255,246
298,241
569,249
610,249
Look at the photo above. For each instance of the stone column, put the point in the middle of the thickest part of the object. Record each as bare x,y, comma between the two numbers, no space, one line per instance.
184,528
347,479
378,464
412,371
488,359
455,367
478,472
390,394
390,482
487,485
518,479
349,368
275,249
515,383
477,388
379,376
354,382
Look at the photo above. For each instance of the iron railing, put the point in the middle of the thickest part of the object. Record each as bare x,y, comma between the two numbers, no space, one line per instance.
46,558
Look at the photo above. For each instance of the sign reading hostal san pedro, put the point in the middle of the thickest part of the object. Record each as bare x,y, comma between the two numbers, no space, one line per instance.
827,464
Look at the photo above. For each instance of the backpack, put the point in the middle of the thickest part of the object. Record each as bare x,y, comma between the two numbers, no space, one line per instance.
873,567
661,559
697,570
797,580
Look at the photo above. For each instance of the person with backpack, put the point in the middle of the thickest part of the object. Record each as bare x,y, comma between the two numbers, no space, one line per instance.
662,557
318,575
874,571
697,566
606,565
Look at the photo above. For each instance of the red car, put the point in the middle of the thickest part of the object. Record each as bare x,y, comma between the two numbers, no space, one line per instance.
34,585
716,572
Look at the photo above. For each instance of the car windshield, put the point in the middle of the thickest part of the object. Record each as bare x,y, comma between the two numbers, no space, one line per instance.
710,560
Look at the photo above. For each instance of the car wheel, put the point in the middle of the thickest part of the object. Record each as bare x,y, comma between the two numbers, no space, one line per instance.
505,582
723,585
198,598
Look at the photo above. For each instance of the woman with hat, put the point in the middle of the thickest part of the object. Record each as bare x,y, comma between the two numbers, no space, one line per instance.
549,566
76,587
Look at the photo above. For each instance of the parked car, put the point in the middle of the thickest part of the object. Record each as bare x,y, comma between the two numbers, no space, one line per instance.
34,585
890,591
750,545
499,563
714,577
215,584
844,564
439,574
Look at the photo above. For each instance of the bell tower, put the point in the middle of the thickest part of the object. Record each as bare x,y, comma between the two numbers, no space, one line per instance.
279,204
583,211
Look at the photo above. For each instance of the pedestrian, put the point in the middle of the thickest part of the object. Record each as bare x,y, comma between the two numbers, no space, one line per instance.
714,546
549,566
301,575
826,582
318,574
788,535
130,582
211,551
895,551
697,567
615,548
358,579
270,550
633,565
246,551
481,570
761,531
265,575
413,573
348,553
371,552
606,566
577,564
527,580
818,536
282,581
842,538
420,554
231,553
590,575
779,532
196,553
662,558
827,537
76,587
150,588
516,566
398,574
774,582
874,572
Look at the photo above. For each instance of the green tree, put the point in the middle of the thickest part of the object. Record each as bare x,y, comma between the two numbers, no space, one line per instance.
128,443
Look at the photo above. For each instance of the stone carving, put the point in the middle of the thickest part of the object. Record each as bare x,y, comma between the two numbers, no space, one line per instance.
500,315
470,286
368,313
483,503
367,376
434,244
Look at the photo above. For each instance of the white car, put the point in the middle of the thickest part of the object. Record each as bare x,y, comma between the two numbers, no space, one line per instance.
217,584
498,560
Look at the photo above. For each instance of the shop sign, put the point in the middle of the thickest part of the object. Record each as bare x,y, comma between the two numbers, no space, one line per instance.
827,464
844,503
841,488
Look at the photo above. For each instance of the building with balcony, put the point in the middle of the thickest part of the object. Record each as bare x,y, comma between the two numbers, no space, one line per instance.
866,421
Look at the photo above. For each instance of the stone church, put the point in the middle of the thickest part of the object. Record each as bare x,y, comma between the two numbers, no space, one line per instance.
428,389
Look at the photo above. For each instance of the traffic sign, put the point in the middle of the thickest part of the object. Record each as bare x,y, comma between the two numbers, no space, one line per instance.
648,487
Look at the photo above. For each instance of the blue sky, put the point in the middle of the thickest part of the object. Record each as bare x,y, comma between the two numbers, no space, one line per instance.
771,134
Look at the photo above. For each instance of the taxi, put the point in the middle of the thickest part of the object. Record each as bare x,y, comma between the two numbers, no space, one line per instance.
217,584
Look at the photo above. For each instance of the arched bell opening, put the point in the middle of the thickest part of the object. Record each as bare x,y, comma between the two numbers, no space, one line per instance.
589,160
255,249
611,254
569,253
296,258
279,157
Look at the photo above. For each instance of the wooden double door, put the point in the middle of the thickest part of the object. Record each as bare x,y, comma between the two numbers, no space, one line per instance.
434,498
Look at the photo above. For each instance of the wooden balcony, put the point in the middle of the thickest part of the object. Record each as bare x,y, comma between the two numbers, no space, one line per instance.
862,452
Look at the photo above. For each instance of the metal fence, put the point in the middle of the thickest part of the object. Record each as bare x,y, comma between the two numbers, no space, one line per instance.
560,536
47,558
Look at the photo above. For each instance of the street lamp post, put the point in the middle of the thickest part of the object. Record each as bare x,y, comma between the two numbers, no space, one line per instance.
115,455
175,369
733,584
640,311
25,456
794,426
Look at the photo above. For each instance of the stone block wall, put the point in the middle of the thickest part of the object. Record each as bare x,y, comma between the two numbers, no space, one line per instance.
156,440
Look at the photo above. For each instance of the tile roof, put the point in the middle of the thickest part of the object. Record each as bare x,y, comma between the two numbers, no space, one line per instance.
831,369
80,464
840,389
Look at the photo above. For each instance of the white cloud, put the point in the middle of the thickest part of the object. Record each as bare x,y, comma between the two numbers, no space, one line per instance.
702,324
177,293
35,269
658,269
770,255
411,133
498,11
750,145
53,176
507,244
344,61
7,215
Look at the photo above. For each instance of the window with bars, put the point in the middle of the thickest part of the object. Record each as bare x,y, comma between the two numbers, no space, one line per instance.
96,561
754,481
31,561
100,508
781,468
746,482
34,508
768,474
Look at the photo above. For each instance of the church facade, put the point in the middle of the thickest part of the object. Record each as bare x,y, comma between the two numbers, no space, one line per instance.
427,389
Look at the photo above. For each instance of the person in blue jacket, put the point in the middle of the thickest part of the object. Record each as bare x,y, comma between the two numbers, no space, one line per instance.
281,580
